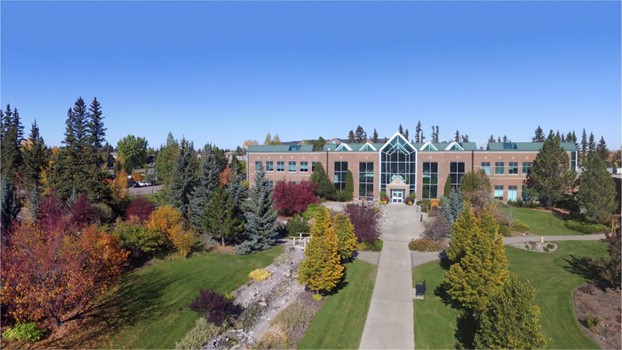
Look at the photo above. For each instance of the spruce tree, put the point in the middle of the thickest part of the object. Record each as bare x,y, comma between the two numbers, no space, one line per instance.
401,130
35,158
268,140
597,192
212,164
511,320
538,135
345,234
374,138
418,132
11,137
9,207
166,158
406,136
351,137
96,132
583,153
550,177
452,206
457,136
219,220
260,216
447,187
325,188
602,150
321,270
360,136
183,178
591,144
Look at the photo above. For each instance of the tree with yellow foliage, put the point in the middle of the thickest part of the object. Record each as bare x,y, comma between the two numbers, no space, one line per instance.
321,271
169,221
345,235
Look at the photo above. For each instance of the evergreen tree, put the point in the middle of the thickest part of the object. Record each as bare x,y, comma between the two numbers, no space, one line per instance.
461,233
401,130
35,158
349,188
447,188
418,132
464,138
276,140
452,206
96,133
550,176
457,136
538,135
9,207
213,162
183,178
583,153
591,144
345,234
406,134
602,150
511,320
491,139
597,193
236,187
325,188
436,135
34,202
569,137
220,220
11,136
268,140
360,136
351,137
574,137
321,270
374,137
166,158
260,216
481,272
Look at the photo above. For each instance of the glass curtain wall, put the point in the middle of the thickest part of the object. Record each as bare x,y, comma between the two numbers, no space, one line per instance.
366,180
398,158
430,180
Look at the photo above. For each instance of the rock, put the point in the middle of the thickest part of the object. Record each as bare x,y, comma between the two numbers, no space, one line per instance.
263,303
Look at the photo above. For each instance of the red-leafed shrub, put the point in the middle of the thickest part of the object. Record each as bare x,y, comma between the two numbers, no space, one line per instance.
83,213
53,214
291,198
141,208
214,306
366,222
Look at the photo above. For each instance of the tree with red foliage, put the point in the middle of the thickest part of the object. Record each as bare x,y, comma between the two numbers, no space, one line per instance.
53,214
141,208
57,274
366,222
83,213
292,198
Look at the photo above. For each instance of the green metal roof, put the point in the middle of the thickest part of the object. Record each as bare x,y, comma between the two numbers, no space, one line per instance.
356,147
526,146
440,146
280,148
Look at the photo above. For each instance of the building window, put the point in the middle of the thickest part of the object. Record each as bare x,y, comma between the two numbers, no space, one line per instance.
304,167
257,165
313,166
486,167
430,180
512,193
573,161
398,159
291,167
513,168
270,184
366,180
280,166
526,168
499,192
270,166
499,168
456,172
341,170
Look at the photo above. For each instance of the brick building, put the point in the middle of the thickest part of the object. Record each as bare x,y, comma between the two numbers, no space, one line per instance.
399,167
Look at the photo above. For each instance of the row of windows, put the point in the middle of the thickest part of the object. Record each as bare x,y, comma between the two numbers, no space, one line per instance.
280,166
512,168
512,193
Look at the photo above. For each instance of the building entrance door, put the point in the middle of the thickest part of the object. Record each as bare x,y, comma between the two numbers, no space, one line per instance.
397,196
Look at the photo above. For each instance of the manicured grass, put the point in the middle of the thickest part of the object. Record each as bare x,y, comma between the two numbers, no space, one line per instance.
435,322
540,222
153,301
550,273
340,322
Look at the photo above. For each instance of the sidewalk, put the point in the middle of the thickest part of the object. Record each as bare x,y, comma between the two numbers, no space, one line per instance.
389,322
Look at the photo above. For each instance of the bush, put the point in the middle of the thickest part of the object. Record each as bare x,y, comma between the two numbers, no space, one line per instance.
342,196
366,222
585,227
591,322
376,246
104,212
198,336
23,332
424,204
83,213
505,230
425,245
142,242
438,229
259,275
295,316
292,198
519,226
182,239
311,211
140,207
214,306
273,338
297,225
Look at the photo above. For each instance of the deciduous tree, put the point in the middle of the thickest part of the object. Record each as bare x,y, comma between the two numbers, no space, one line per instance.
366,222
475,188
292,198
133,150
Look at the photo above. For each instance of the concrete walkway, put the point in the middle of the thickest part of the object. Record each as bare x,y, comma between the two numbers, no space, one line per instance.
520,239
389,323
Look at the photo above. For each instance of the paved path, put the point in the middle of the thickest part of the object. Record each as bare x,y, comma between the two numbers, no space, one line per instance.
520,239
389,322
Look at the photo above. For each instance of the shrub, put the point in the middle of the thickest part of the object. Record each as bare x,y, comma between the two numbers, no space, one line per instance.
425,245
273,338
104,213
438,229
281,259
296,225
505,230
83,213
591,322
140,207
214,306
164,218
293,317
23,332
519,226
198,336
424,204
312,211
259,275
342,196
292,198
345,234
376,246
142,242
585,227
182,239
366,222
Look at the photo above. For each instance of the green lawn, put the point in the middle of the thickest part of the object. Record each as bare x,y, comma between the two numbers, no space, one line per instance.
340,322
540,222
151,306
549,273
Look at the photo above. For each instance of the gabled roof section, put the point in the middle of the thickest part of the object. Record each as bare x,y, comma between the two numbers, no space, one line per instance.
367,147
446,146
454,146
400,136
428,146
526,146
343,147
280,148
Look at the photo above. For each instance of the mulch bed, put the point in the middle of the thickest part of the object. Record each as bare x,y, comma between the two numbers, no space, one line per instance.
599,314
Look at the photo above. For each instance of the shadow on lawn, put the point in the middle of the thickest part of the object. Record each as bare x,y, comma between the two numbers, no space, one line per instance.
586,268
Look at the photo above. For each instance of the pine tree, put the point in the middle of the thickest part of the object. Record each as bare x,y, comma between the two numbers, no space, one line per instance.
96,132
550,176
35,158
213,162
597,193
325,188
583,153
511,320
260,216
166,158
406,136
374,137
401,130
219,219
591,144
349,188
321,270
183,178
602,150
11,136
464,138
457,136
574,137
538,135
351,137
481,272
418,132
360,136
569,137
9,207
436,135
345,234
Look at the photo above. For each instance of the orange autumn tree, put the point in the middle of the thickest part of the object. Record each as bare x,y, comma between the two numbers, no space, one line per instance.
57,274
170,222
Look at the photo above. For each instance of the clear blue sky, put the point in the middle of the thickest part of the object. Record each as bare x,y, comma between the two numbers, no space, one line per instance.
226,72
